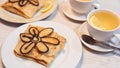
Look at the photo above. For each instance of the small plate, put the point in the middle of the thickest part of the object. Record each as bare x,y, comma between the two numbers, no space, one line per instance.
83,30
67,58
11,17
67,10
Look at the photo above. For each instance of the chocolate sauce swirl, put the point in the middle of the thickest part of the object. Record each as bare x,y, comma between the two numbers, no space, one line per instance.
25,2
37,39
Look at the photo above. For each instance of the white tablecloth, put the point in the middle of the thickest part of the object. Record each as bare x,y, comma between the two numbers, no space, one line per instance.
90,59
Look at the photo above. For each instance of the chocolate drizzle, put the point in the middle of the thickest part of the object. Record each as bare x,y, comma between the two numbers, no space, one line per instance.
34,2
24,2
37,39
13,1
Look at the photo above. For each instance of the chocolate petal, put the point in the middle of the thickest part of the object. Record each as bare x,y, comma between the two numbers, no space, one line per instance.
42,47
26,37
50,40
34,31
34,2
13,1
27,47
46,32
23,2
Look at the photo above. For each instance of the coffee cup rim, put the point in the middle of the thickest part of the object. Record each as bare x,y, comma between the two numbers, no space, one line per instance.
102,10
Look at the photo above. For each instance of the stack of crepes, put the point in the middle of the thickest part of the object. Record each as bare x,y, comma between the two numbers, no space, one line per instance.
26,8
39,44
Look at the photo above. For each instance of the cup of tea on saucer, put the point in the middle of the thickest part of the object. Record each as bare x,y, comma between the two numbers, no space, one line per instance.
83,6
103,24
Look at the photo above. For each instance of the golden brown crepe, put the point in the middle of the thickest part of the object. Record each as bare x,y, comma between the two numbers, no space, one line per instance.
26,11
38,53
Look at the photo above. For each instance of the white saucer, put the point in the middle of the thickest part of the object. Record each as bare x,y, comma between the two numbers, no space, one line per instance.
66,8
83,30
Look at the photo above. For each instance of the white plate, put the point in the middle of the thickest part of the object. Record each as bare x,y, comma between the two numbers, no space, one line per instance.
8,16
68,58
83,30
67,10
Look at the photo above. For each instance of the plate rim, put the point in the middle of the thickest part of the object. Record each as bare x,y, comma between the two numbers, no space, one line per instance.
80,53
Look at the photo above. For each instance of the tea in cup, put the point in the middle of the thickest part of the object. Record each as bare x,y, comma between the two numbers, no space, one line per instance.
103,24
83,6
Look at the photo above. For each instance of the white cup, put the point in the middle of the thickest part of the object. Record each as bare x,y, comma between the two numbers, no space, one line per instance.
83,7
103,31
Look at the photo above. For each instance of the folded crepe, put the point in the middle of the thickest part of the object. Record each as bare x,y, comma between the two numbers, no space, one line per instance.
39,44
25,8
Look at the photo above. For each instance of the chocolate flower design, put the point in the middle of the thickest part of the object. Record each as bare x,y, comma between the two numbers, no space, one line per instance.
24,2
37,39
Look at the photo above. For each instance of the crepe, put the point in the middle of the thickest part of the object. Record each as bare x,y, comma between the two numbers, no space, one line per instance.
38,53
27,11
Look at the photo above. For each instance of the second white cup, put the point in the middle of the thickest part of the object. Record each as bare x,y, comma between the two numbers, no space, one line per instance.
83,6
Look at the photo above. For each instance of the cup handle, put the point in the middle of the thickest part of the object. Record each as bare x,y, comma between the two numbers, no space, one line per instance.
116,40
117,36
96,6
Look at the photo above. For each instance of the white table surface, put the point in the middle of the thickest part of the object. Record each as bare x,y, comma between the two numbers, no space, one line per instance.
90,59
